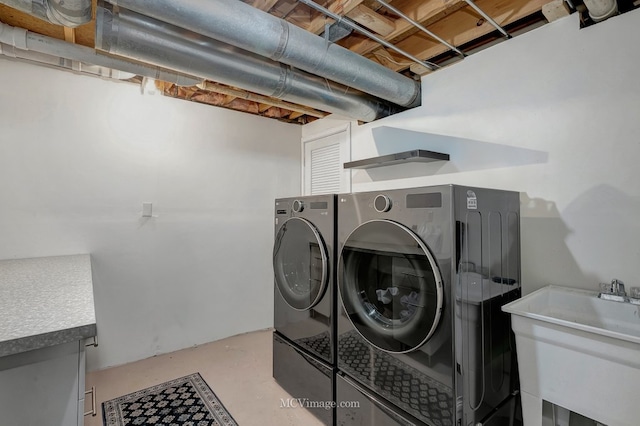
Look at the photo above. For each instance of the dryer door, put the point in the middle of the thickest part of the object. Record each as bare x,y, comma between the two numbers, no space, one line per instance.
300,263
390,286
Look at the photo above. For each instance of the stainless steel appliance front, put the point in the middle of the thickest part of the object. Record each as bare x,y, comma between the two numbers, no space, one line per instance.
304,273
304,351
422,274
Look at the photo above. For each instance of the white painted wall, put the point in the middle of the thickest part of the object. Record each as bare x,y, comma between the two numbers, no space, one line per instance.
79,156
553,113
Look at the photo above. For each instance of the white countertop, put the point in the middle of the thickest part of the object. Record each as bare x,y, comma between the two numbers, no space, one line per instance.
44,302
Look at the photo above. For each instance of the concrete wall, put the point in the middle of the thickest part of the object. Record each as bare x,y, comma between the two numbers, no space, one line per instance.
79,156
552,113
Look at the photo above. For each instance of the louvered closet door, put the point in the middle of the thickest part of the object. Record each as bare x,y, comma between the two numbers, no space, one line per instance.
324,156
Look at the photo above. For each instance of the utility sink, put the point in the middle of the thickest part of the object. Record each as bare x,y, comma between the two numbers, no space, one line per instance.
579,352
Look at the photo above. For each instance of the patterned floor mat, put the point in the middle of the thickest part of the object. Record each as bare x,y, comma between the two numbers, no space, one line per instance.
187,401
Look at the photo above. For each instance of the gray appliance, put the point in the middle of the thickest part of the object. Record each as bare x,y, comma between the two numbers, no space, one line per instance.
304,348
422,275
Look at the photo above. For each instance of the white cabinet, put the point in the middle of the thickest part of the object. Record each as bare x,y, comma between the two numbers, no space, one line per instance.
43,386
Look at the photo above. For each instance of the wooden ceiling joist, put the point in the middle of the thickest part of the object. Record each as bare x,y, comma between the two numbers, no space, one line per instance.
341,7
462,27
69,35
239,93
424,13
295,115
20,19
284,8
372,20
228,99
264,5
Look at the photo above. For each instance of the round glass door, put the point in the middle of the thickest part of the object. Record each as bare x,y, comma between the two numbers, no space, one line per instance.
390,286
300,263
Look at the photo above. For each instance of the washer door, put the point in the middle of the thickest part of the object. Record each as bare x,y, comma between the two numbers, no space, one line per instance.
300,263
390,286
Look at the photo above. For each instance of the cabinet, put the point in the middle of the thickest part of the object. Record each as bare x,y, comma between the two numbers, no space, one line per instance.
43,386
46,313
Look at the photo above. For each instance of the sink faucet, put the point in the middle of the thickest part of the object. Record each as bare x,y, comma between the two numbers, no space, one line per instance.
614,291
617,287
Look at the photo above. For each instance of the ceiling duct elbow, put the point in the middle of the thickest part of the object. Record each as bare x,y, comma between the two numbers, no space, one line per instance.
126,33
69,13
243,26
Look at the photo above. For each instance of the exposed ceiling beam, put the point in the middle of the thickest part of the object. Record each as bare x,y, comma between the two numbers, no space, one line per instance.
384,57
228,99
69,35
424,13
264,5
555,10
284,8
341,7
373,4
265,100
372,20
462,27
19,19
275,112
419,69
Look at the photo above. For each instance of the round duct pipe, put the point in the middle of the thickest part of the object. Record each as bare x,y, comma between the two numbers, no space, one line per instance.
599,10
29,41
62,63
243,26
69,13
126,33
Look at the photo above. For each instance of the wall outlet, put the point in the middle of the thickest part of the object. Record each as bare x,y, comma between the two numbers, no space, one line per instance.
147,209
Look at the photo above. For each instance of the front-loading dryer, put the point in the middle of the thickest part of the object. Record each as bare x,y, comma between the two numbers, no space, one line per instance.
304,346
422,275
303,254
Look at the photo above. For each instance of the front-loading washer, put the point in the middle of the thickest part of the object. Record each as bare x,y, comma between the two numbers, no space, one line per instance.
304,345
422,275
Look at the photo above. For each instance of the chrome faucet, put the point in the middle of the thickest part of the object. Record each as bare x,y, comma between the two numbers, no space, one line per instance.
614,291
617,287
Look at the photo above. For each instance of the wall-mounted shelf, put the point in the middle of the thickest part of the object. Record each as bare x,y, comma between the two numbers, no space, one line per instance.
417,155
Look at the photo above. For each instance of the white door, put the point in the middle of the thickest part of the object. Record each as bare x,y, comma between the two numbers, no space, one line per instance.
324,155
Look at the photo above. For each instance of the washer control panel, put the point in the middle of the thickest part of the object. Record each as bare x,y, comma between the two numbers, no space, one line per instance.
298,206
382,203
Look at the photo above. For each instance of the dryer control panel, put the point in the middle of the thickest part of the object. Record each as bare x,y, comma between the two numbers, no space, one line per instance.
382,203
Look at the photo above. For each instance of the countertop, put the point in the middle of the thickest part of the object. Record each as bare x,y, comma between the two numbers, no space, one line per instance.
45,302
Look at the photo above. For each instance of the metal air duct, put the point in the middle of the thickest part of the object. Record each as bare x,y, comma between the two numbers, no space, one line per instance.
248,28
123,32
66,64
70,13
27,41
599,10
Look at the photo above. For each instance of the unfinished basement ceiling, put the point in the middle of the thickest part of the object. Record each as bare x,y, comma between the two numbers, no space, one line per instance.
457,23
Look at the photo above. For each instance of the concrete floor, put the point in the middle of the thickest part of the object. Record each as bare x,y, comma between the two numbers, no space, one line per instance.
238,370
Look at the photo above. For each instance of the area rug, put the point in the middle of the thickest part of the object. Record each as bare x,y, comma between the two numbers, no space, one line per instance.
187,401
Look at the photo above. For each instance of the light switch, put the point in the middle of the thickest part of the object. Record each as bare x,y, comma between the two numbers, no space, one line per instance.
147,209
